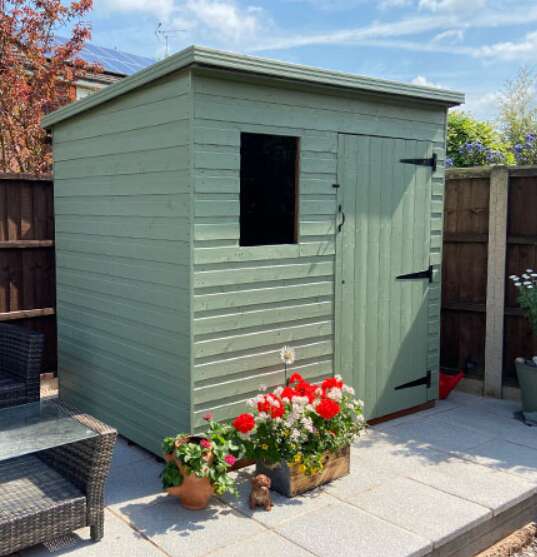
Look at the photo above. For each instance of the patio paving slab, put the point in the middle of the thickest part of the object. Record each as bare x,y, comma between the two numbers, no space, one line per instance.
120,540
178,531
507,457
433,514
264,545
344,531
283,509
492,489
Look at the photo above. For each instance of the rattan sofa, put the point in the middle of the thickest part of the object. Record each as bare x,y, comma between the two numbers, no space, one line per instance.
50,494
21,353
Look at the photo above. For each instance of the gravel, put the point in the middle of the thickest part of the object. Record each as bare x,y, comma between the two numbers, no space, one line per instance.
528,551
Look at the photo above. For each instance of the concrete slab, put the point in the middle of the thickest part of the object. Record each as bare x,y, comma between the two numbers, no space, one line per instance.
133,481
129,454
437,434
283,509
265,545
346,531
505,456
495,490
120,540
178,531
438,516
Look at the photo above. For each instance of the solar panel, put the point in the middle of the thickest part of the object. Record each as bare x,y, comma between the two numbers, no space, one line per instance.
113,61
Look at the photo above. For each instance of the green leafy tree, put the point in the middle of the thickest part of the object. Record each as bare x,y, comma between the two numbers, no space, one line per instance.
518,116
471,142
518,107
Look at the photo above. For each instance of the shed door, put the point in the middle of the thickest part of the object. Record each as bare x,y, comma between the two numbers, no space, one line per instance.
383,232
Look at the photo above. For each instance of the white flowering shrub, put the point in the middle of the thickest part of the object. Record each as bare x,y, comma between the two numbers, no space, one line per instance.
527,295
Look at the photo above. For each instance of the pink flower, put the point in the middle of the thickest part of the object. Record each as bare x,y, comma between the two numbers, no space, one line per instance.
208,417
205,444
230,459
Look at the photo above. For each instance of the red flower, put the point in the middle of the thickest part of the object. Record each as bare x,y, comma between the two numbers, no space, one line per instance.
330,383
205,444
230,460
295,378
244,423
271,405
306,389
289,393
208,416
328,408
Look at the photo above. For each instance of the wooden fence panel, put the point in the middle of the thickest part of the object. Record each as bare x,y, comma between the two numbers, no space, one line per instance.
521,255
27,268
464,274
465,269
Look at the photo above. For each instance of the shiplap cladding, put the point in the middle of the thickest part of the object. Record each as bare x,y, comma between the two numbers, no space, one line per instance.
248,302
123,231
161,315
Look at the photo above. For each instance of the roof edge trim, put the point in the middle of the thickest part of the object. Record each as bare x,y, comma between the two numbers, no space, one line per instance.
260,66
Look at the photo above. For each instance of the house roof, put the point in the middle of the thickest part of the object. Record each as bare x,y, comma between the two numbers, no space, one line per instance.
209,58
112,61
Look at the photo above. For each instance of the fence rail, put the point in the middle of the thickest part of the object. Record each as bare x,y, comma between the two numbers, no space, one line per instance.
27,277
490,233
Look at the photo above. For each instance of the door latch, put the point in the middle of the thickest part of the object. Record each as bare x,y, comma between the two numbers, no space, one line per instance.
344,218
432,162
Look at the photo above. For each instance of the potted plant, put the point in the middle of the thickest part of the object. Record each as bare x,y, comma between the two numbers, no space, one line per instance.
527,367
300,434
196,467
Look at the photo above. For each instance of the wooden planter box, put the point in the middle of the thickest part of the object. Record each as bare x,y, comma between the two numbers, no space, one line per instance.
289,481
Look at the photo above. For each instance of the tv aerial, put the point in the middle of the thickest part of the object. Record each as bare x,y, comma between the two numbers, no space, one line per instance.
164,34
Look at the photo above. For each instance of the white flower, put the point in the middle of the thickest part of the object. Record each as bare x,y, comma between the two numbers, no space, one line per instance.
335,394
534,360
348,389
287,355
338,377
262,417
308,424
514,277
295,435
359,404
525,276
518,284
526,282
529,271
530,287
251,403
263,388
278,391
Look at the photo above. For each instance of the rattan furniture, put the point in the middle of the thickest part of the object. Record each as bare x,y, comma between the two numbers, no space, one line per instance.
21,353
50,493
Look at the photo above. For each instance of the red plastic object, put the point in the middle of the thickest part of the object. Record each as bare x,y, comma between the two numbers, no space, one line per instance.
448,382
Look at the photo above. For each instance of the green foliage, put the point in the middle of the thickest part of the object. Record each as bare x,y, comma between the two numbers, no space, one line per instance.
209,456
518,108
471,142
527,295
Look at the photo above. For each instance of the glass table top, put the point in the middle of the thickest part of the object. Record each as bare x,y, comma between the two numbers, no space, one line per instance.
37,426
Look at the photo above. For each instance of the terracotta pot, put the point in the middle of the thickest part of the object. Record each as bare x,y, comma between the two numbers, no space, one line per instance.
194,493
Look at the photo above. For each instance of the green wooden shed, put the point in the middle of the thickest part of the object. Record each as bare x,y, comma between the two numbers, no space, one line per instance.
214,207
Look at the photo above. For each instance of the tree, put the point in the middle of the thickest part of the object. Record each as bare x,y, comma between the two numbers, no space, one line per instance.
36,74
518,116
471,142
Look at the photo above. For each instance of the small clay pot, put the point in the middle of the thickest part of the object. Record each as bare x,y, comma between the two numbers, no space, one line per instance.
194,493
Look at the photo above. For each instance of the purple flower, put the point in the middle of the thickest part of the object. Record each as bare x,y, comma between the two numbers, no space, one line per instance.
449,162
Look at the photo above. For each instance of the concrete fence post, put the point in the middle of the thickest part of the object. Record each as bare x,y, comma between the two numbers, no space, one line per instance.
497,250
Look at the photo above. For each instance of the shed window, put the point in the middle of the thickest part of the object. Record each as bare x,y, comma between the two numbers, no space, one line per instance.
269,168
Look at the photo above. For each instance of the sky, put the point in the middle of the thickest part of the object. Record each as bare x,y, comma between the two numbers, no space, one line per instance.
473,46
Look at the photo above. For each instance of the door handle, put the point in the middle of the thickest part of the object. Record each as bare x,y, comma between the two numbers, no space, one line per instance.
344,218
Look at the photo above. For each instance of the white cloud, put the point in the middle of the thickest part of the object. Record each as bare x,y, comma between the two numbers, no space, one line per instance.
451,36
482,105
388,4
221,19
455,6
510,50
161,8
424,82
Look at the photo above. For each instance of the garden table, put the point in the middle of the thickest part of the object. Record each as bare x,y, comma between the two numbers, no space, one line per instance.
38,426
54,462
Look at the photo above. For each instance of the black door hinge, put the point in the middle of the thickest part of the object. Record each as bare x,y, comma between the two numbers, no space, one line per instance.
335,186
432,162
425,380
427,274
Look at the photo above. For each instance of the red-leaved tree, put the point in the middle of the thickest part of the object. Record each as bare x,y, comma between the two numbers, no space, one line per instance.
37,74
